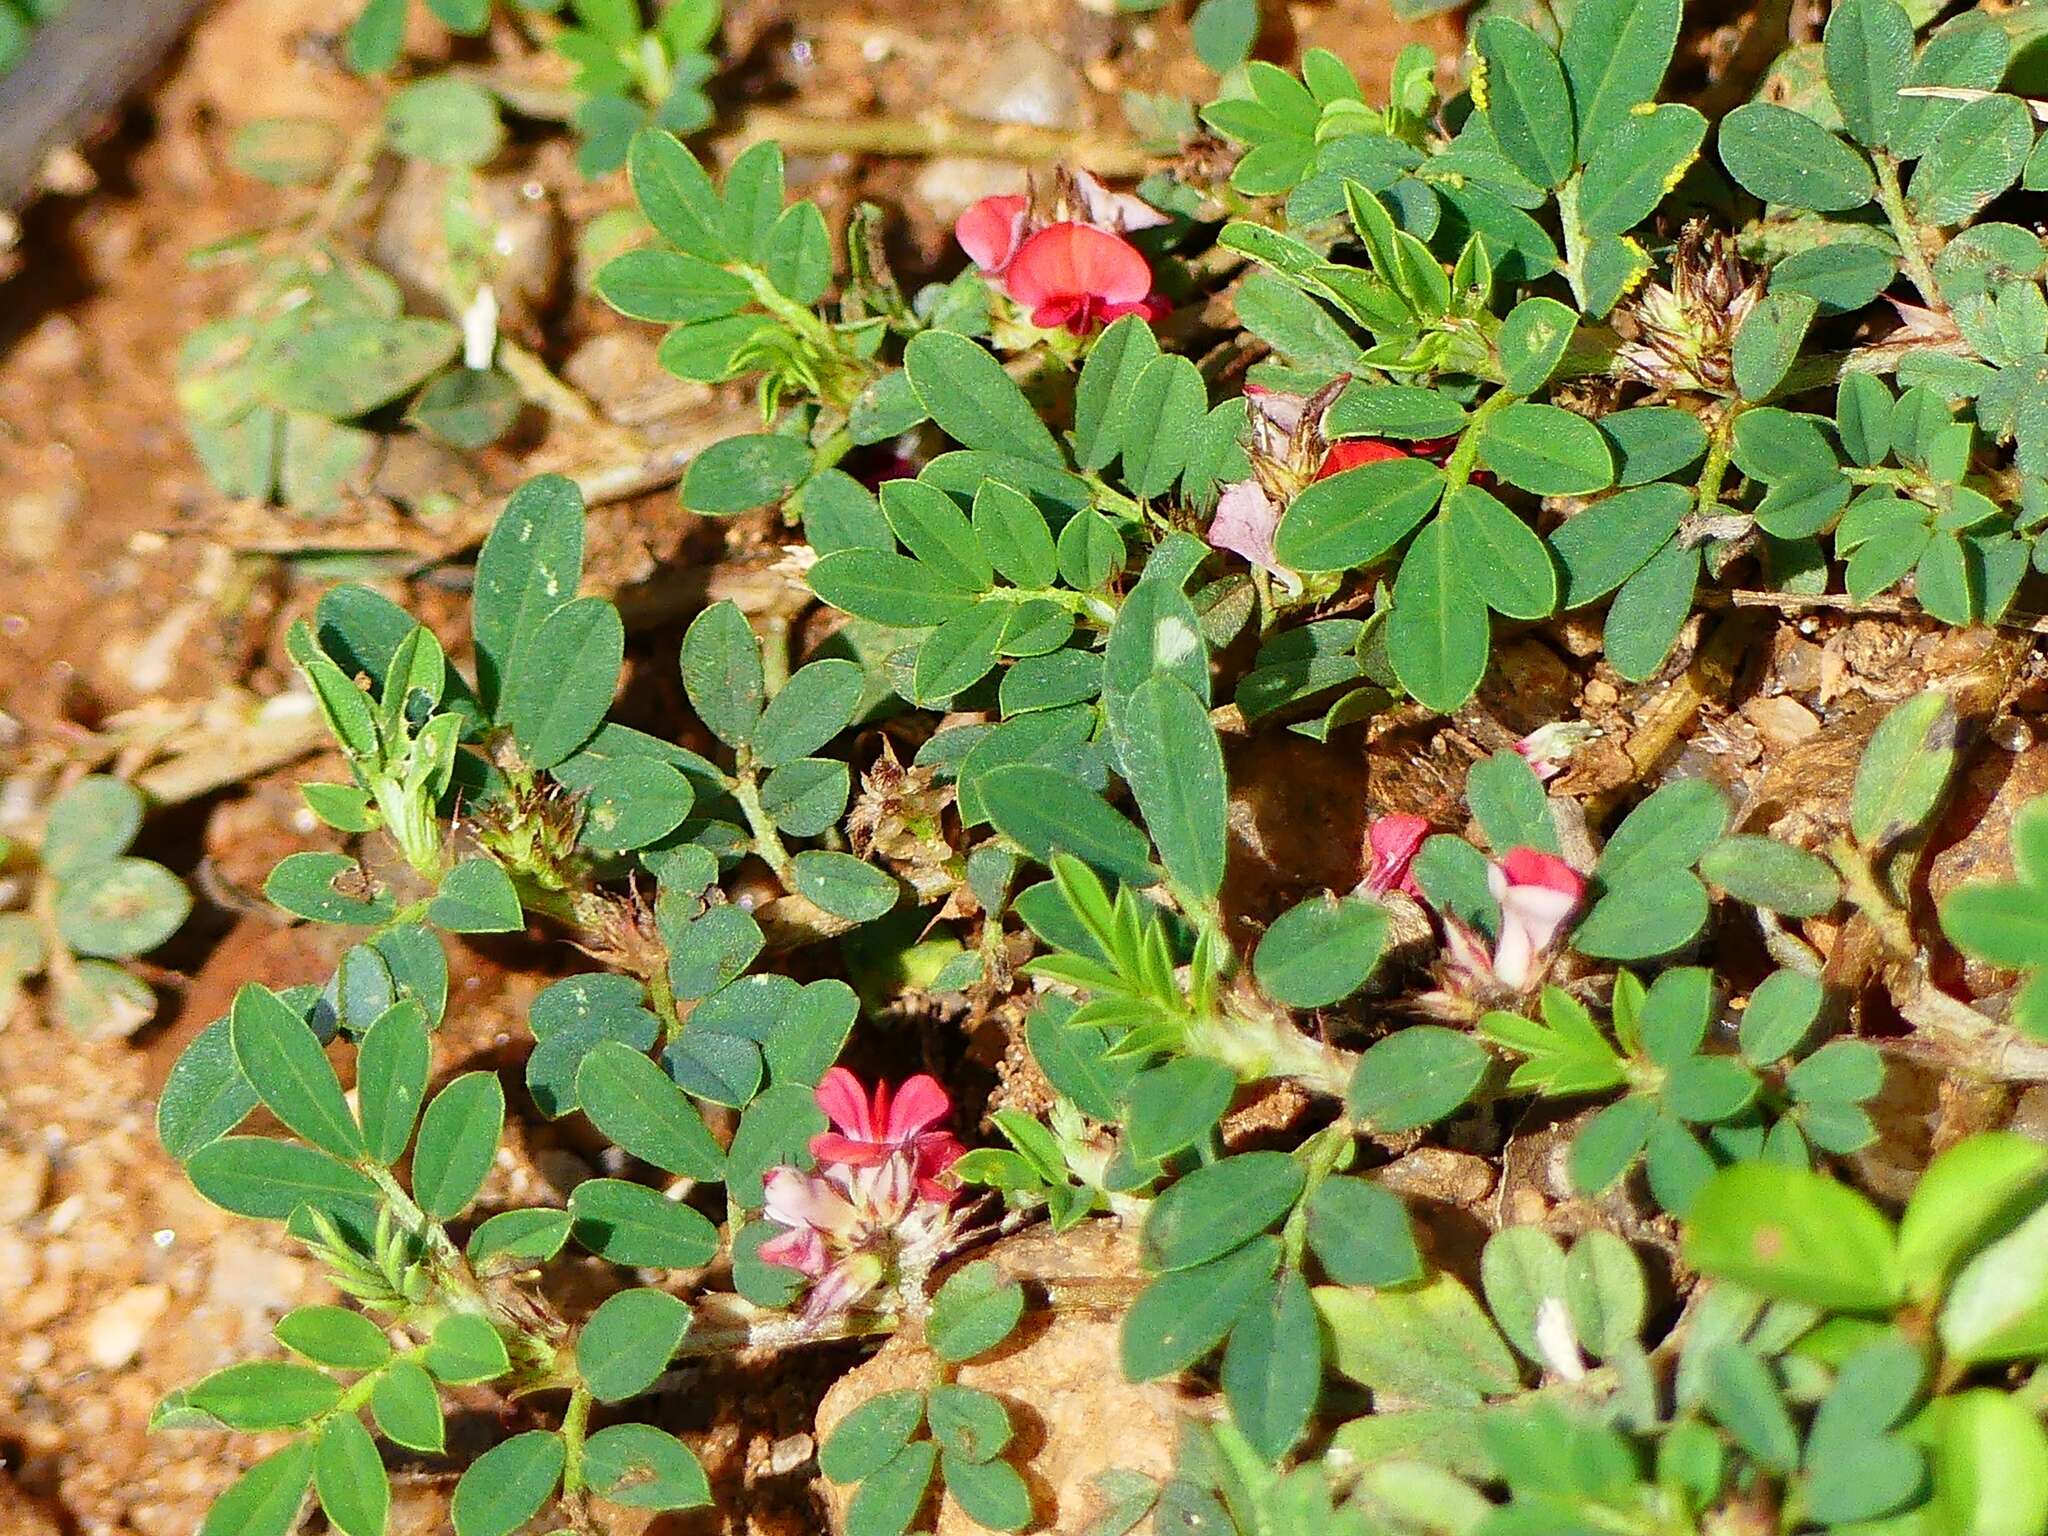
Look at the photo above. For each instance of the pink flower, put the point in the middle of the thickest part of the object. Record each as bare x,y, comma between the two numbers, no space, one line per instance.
1538,893
1354,451
1060,253
1393,842
870,1132
1244,523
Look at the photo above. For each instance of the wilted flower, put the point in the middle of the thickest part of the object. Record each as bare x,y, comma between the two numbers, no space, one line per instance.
1549,747
877,1206
1392,843
1060,253
1538,893
1682,337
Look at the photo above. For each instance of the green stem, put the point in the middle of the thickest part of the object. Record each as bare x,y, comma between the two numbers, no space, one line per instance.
1720,451
1892,199
746,789
575,1425
1866,892
1458,467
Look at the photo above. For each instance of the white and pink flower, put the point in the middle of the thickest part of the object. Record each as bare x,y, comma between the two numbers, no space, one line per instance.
878,1205
1538,894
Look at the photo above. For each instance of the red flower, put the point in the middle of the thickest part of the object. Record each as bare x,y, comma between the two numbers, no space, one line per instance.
1393,842
1078,276
870,1132
1354,451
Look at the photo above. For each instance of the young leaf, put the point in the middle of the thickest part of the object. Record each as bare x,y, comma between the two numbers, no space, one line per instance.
1904,770
629,1341
563,678
506,1486
721,666
973,1311
349,1476
529,566
1173,761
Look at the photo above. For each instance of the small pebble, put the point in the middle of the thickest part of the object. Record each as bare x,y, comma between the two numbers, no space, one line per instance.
114,1334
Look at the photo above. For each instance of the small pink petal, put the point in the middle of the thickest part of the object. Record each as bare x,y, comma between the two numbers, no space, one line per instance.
1354,451
991,231
1244,523
799,1249
1530,866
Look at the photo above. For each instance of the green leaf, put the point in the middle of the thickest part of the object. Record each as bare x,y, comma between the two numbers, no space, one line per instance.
1219,1207
1990,1465
1361,1235
1223,32
677,196
1615,53
1520,1269
1741,1393
477,896
721,667
349,1476
348,367
888,588
1978,153
936,532
973,1312
889,1498
506,1486
1438,635
446,121
1769,338
632,1102
974,402
1013,535
738,474
205,1096
1794,1235
1868,46
1173,761
1672,827
265,1500
1166,408
1176,1104
960,653
1414,1077
1611,540
1546,450
94,820
1429,1344
872,1435
1786,157
334,1336
535,1234
1102,394
969,1425
458,1141
268,1179
844,885
407,1407
1532,338
119,907
1526,101
641,1467
282,1060
1272,1366
529,566
632,1225
1320,951
1046,811
1904,770
628,1342
562,680
1353,518
1509,802
464,1348
1642,159
1776,876
265,1394
1180,1317
1640,920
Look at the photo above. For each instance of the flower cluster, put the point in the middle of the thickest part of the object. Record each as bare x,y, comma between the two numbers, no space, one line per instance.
1539,894
1060,254
879,1203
